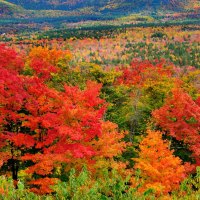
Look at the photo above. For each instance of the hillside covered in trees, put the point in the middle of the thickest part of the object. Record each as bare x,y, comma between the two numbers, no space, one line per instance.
30,16
103,5
102,114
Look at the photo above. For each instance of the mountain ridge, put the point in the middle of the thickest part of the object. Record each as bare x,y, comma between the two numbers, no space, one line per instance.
102,5
48,8
7,8
24,14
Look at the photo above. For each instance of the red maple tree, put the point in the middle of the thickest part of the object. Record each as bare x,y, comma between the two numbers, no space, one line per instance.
180,117
41,128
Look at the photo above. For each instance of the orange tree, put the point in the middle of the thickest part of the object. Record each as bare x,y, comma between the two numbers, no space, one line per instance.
159,169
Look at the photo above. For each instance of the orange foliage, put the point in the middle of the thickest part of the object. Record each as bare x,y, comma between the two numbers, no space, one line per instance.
160,170
108,146
44,61
42,186
51,56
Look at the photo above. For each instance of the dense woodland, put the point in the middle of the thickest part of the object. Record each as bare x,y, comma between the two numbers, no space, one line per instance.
109,117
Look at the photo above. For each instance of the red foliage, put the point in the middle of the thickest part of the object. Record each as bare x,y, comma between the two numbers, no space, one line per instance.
47,127
180,116
139,71
10,59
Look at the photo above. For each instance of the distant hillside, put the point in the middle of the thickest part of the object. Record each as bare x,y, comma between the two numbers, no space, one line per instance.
20,15
103,5
10,9
58,8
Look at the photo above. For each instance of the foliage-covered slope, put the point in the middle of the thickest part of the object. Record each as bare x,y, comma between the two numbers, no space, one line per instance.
103,5
83,10
10,9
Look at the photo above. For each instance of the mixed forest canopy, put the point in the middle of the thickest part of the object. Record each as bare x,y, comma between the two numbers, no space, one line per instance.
102,110
137,122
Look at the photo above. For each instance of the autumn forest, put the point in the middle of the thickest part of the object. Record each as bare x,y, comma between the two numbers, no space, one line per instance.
100,114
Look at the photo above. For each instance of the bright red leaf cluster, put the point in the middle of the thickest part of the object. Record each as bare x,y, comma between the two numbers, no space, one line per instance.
180,116
48,127
140,71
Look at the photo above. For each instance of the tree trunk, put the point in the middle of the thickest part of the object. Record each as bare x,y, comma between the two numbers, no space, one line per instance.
15,168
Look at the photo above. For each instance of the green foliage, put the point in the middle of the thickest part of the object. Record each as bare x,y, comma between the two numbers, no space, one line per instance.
118,99
8,192
158,35
78,76
110,187
190,187
192,183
